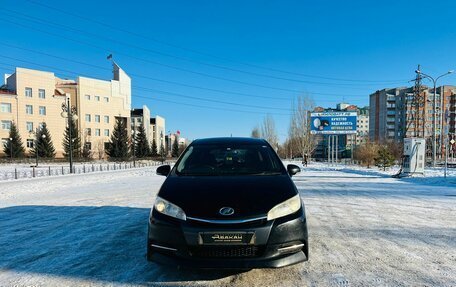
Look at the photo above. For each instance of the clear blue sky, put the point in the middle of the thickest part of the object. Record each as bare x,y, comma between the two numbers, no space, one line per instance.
238,47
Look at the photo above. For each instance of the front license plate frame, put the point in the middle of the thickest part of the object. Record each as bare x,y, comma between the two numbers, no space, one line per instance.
226,238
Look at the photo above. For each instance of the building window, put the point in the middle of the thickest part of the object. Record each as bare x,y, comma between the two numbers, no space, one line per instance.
88,118
106,99
106,119
30,143
28,92
88,145
97,132
29,127
42,110
6,125
87,97
41,94
97,98
6,108
97,118
88,131
29,109
106,132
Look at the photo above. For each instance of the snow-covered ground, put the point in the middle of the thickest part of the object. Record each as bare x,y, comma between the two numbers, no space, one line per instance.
366,229
28,170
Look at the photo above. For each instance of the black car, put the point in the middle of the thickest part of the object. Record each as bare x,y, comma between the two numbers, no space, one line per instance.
228,203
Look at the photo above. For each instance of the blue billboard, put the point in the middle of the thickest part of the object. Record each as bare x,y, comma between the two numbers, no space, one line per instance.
333,123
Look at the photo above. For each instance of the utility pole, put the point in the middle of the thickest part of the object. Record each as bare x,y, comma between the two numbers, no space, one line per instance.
434,131
416,104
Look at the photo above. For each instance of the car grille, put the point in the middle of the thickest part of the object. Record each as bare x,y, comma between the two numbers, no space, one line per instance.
200,223
226,251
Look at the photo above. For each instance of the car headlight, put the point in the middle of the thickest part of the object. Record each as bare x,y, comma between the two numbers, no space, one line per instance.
167,208
287,207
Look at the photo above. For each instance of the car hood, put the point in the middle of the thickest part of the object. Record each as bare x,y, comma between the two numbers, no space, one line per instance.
249,196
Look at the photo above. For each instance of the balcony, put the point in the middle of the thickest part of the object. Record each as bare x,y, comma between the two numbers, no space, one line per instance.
390,113
390,98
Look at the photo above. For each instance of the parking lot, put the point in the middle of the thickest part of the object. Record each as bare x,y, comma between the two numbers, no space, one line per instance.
365,228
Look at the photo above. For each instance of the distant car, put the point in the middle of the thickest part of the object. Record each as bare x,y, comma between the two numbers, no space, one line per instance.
228,203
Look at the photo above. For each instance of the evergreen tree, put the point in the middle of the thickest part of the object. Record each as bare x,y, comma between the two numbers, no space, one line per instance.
14,146
175,150
384,158
141,145
154,149
118,144
43,143
162,153
86,152
76,144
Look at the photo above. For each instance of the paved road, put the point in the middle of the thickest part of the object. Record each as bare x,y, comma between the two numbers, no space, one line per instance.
89,230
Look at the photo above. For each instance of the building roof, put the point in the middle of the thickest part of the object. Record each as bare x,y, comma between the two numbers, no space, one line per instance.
137,112
6,91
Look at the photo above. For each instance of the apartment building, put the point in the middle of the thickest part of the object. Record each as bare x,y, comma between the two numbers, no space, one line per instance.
397,113
362,126
387,114
31,97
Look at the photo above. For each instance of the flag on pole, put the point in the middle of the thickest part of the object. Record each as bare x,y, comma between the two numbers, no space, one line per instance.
109,57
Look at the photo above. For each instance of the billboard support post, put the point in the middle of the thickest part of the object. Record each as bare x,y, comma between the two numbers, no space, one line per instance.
337,148
329,148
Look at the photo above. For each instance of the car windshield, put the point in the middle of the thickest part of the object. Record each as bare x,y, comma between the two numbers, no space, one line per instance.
229,160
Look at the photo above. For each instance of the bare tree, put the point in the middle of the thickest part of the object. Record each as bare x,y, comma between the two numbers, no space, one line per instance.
366,153
256,133
301,140
268,131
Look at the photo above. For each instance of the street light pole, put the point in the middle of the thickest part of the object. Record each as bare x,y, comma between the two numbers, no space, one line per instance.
70,125
36,146
434,136
134,143
67,112
11,148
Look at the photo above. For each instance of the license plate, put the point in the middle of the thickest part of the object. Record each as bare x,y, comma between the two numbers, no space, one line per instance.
235,238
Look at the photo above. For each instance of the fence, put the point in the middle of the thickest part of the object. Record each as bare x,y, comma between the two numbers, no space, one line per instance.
44,171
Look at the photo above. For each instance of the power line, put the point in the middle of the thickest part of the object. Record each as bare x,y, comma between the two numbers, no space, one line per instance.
116,28
180,95
97,36
161,80
155,62
187,104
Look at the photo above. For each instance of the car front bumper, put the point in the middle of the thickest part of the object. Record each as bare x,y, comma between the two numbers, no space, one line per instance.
280,242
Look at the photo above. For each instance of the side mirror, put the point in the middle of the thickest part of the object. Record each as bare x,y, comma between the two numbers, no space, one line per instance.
293,169
164,170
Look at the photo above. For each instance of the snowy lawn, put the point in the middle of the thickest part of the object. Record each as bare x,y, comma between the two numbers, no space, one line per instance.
366,229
